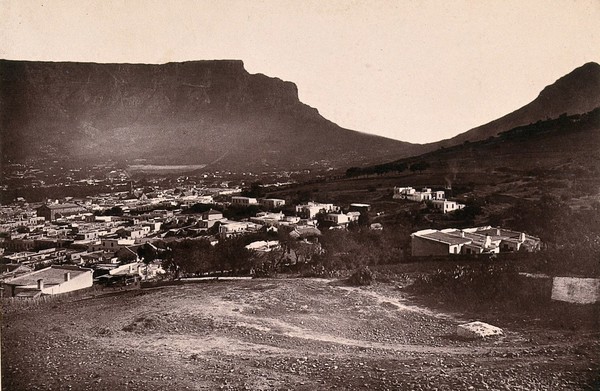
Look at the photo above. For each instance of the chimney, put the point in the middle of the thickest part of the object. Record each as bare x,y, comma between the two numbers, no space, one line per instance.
522,237
40,284
67,276
462,234
488,241
498,232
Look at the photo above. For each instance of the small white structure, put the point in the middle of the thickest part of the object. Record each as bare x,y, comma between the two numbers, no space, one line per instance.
263,246
337,218
243,201
212,214
272,203
229,227
446,206
311,209
426,194
113,245
268,219
576,290
127,269
478,330
403,192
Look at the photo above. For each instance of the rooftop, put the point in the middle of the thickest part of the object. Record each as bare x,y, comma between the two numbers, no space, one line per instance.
62,206
52,275
446,238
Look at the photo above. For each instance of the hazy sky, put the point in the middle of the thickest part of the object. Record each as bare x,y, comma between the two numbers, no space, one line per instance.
416,71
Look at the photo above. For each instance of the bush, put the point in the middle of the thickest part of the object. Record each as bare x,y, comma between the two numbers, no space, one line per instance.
484,284
361,277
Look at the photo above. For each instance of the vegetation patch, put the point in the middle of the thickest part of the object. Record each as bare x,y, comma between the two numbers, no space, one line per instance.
361,277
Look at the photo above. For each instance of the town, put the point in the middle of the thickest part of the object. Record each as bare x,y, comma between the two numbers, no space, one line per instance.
124,237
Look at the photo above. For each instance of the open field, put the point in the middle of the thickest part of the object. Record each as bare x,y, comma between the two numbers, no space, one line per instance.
261,334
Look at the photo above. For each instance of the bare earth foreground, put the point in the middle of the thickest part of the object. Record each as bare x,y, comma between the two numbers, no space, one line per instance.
305,334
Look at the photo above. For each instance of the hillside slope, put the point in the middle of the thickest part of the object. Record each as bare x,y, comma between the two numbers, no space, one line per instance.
571,143
575,93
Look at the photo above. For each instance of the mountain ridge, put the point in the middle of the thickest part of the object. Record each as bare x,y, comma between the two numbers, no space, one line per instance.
189,112
213,112
577,92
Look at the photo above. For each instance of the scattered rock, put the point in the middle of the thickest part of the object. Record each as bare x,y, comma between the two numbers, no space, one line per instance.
478,330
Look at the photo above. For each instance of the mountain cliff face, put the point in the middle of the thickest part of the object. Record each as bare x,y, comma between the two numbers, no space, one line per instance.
201,112
576,93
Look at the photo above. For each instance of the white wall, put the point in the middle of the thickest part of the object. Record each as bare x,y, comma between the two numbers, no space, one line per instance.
576,290
81,281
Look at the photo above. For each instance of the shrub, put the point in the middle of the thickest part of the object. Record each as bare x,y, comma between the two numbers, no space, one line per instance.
361,277
483,284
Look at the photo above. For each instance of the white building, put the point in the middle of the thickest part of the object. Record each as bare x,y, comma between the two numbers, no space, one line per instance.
268,218
446,206
50,281
479,240
272,203
341,218
243,201
111,244
229,228
426,194
263,246
311,209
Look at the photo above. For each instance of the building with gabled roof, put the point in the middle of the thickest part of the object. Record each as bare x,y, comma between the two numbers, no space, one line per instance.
49,281
52,212
479,240
212,214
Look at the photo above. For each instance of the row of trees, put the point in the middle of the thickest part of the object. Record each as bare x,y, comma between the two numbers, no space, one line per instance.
380,169
334,250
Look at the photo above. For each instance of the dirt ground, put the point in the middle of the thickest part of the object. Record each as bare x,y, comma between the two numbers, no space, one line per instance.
264,334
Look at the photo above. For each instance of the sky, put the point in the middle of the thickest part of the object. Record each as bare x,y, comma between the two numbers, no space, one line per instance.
417,71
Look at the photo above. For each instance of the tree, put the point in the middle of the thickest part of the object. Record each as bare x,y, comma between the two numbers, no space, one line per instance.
232,253
114,211
125,256
201,208
363,219
420,166
148,253
256,190
189,256
353,171
23,229
323,224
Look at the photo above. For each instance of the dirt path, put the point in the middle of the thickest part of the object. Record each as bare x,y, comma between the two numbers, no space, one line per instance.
400,304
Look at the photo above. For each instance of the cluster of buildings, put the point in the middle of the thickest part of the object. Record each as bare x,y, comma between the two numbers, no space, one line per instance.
39,242
468,241
480,240
437,198
56,247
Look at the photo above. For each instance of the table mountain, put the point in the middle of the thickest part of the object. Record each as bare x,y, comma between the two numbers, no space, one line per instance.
199,112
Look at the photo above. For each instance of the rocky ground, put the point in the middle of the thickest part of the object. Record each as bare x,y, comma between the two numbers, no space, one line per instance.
304,334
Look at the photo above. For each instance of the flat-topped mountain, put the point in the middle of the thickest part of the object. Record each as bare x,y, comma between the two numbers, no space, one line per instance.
200,112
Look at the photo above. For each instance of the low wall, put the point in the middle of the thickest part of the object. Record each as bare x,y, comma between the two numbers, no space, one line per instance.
576,290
